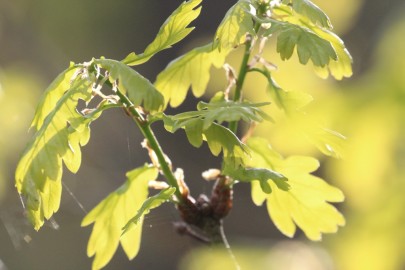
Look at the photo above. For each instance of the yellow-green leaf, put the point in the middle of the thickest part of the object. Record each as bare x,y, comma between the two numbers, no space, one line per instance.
220,111
149,204
111,215
289,101
51,96
306,203
312,12
190,70
172,31
62,132
338,67
243,174
235,25
308,44
219,138
140,90
329,142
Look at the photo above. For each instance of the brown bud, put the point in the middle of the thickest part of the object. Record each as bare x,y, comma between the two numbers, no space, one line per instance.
189,212
204,206
221,198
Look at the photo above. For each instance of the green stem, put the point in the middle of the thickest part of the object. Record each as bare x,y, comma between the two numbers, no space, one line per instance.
147,132
244,68
233,126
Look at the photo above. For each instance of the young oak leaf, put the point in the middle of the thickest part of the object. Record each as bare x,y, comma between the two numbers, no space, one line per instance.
312,12
139,89
112,213
342,66
338,67
289,101
305,203
52,94
234,26
329,142
151,203
64,130
220,110
262,175
308,44
219,138
172,31
189,70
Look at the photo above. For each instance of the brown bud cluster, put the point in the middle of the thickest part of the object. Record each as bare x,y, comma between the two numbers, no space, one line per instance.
199,212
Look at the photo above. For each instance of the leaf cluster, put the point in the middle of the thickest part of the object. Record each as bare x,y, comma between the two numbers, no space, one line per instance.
294,197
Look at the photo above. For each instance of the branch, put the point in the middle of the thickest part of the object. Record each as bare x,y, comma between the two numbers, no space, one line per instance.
147,132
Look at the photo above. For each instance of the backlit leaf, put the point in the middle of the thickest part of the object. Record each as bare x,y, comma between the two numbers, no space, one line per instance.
329,142
244,174
221,110
309,45
111,215
190,70
172,31
219,138
151,203
62,132
235,25
305,203
289,101
342,66
51,96
312,12
339,66
140,90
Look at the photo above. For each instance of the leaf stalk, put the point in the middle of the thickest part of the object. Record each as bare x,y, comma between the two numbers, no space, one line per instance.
147,132
244,68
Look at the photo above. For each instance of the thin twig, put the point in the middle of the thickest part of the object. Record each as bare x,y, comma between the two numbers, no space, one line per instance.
227,246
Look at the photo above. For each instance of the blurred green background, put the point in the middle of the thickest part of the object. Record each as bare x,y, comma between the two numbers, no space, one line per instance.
39,38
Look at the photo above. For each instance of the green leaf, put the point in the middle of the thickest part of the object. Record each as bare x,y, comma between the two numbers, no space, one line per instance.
219,138
189,70
62,132
289,101
172,31
151,203
234,26
139,89
305,203
262,175
308,44
342,66
339,66
329,142
112,213
52,94
312,12
221,110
